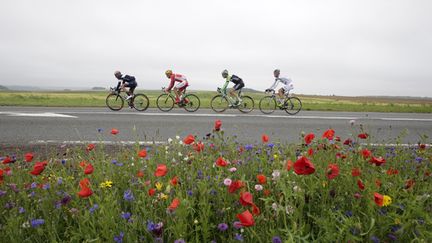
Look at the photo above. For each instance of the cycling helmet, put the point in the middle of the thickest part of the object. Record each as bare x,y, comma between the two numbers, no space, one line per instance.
117,74
168,72
276,72
225,73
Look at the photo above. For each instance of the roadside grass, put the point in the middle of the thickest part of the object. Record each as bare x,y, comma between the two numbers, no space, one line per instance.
311,103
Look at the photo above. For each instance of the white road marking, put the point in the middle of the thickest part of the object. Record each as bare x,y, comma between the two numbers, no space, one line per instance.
96,142
43,114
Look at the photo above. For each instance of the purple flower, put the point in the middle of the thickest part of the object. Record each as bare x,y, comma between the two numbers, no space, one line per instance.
238,237
126,215
180,241
119,238
392,237
21,210
222,227
276,239
59,181
37,222
249,146
375,239
128,196
93,208
100,130
66,199
2,193
237,225
33,185
189,192
349,214
14,187
63,161
46,186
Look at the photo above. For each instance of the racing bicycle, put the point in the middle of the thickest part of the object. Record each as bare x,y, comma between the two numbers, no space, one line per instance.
291,104
190,102
116,99
222,101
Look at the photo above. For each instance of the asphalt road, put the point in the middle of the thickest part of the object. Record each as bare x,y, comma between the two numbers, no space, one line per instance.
28,125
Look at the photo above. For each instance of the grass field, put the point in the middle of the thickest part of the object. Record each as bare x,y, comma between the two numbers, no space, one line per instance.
310,102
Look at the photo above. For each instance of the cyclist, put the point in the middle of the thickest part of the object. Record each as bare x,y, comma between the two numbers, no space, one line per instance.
238,85
126,81
287,85
180,87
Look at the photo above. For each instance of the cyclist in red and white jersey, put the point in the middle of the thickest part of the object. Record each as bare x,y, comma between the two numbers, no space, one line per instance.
178,88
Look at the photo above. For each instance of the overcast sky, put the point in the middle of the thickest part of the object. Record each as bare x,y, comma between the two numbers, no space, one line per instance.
368,47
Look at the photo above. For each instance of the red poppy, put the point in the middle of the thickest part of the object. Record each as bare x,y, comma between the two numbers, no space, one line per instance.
303,166
1,175
363,135
377,160
114,131
422,146
264,138
174,181
341,156
289,165
308,138
142,153
246,199
221,162
198,147
85,192
174,204
235,185
189,139
256,210
83,164
161,170
84,183
310,151
90,147
379,199
218,124
8,160
347,142
332,171
151,192
28,157
392,171
89,169
356,172
262,179
329,134
360,184
366,153
140,174
246,218
38,168
409,183
267,192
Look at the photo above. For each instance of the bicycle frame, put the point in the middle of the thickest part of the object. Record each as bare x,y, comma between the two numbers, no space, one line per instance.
228,97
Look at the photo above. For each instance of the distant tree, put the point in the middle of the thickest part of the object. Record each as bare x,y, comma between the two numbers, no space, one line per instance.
3,87
98,88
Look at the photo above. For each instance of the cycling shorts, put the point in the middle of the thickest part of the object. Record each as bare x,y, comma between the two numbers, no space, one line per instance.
238,86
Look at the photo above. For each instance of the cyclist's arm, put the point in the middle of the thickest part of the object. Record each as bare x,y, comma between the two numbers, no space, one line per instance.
274,84
118,85
225,85
171,83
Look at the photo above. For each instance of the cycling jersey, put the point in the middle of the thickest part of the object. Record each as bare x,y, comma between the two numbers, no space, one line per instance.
175,77
238,82
286,81
129,81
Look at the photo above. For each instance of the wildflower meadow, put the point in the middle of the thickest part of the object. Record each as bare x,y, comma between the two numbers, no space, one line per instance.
324,188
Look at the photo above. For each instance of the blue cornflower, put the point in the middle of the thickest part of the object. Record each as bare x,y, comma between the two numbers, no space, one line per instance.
276,239
150,225
128,196
375,239
189,192
59,181
66,199
249,146
2,193
100,130
33,185
63,161
222,227
213,192
392,237
46,186
93,208
270,145
238,237
119,238
180,241
37,222
349,214
21,210
126,215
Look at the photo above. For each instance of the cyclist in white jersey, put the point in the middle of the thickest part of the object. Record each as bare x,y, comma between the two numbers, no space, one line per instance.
287,85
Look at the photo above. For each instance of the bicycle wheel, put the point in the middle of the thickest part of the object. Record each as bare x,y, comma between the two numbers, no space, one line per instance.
140,102
267,104
115,102
219,103
165,102
293,105
191,102
247,104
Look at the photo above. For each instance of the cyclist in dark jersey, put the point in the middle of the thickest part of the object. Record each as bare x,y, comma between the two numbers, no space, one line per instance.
238,85
126,81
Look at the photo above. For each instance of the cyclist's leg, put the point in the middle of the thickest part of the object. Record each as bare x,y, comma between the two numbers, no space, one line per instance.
179,88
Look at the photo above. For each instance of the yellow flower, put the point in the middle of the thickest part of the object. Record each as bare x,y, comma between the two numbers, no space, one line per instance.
397,221
387,200
159,186
275,156
324,183
163,196
106,184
